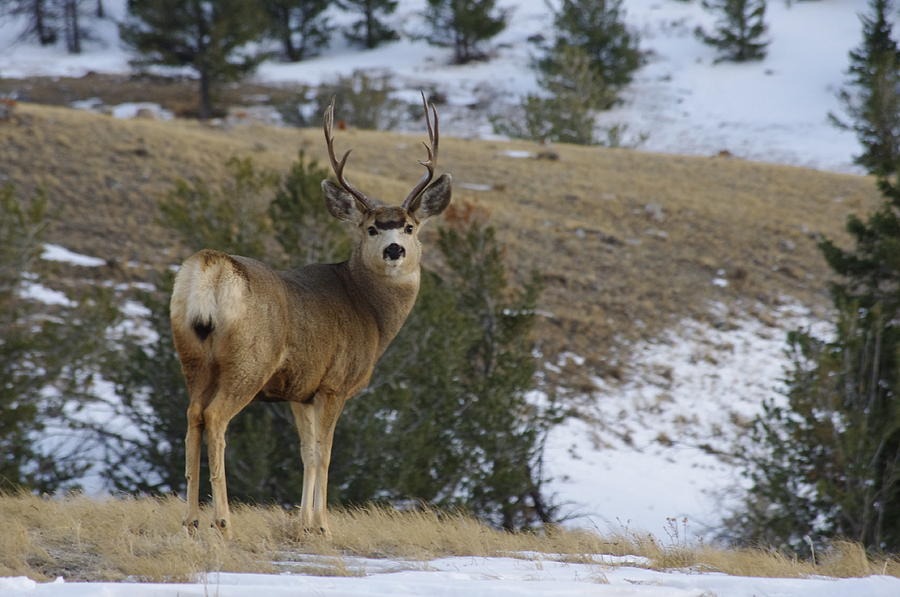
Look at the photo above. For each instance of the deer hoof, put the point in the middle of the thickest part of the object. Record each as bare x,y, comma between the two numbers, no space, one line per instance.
223,527
191,526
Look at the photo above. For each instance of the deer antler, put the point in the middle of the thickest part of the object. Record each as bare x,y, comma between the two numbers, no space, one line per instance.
338,165
433,137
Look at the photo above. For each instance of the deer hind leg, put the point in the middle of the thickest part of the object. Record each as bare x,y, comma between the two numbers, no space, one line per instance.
216,417
315,422
192,446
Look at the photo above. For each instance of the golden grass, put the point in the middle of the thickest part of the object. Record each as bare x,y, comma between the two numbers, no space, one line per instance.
629,241
142,539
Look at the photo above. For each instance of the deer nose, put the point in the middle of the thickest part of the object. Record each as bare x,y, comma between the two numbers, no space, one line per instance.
394,252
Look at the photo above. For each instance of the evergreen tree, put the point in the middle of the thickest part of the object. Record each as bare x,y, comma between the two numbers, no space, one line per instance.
463,25
596,29
871,99
370,30
739,31
208,36
829,466
300,26
44,360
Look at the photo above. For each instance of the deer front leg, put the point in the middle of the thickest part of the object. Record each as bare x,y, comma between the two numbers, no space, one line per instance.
331,408
192,445
305,418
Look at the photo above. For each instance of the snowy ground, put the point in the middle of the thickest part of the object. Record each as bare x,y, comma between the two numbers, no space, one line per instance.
774,110
473,577
645,461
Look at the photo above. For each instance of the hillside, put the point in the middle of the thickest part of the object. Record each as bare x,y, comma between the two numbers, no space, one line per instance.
628,241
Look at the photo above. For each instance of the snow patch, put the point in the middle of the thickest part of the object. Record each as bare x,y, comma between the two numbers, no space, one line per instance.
38,292
59,253
645,456
472,577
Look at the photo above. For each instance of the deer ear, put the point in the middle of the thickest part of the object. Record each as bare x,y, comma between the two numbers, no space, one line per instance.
340,203
433,200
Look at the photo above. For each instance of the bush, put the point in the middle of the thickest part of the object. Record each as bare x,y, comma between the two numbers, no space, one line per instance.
363,100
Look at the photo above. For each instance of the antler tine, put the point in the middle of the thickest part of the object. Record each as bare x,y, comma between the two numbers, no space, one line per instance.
338,165
433,136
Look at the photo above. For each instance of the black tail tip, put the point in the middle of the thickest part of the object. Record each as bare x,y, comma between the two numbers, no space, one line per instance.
202,328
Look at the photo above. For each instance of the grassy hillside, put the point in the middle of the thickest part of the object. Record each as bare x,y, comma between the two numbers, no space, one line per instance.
628,241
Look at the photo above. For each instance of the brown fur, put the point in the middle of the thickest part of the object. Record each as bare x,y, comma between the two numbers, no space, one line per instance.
309,336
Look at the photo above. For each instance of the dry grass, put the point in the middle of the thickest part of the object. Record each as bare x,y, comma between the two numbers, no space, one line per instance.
629,242
142,539
178,95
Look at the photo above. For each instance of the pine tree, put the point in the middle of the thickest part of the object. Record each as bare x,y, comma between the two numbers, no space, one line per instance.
871,99
826,464
45,362
370,30
464,25
739,31
596,29
300,25
208,36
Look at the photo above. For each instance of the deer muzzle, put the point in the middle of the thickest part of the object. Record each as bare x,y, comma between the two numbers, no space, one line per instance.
394,252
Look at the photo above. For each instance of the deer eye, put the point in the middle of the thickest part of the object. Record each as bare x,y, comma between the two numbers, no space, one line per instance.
372,231
409,229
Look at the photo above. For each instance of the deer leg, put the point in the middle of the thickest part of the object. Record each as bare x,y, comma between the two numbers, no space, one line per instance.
330,408
216,417
305,417
192,445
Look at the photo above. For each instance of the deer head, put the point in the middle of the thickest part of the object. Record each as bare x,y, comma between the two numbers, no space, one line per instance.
387,240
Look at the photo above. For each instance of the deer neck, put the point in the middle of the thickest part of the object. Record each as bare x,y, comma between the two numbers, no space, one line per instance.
388,298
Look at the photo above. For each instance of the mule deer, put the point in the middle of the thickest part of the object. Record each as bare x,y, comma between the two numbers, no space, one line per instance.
308,336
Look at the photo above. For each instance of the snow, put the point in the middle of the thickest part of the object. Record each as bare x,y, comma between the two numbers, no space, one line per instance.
772,110
58,253
644,460
38,292
473,577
